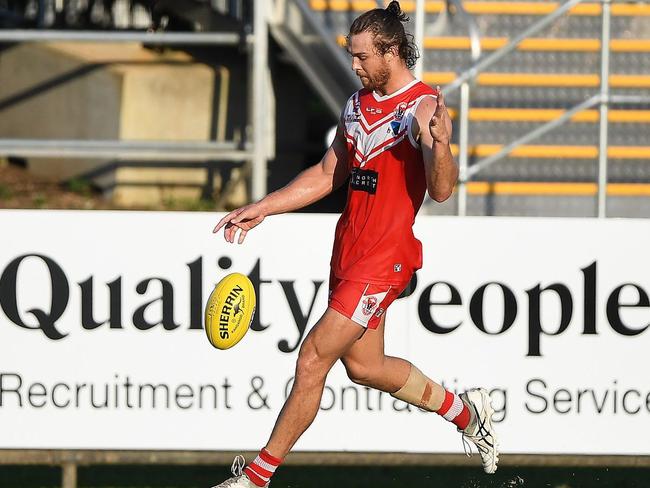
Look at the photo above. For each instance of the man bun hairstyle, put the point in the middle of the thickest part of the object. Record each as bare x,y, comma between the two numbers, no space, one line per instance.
387,28
395,9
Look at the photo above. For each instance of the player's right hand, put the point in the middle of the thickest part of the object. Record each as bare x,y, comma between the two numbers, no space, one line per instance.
437,124
242,219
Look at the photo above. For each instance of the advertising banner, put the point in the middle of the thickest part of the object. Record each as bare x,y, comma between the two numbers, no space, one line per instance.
102,345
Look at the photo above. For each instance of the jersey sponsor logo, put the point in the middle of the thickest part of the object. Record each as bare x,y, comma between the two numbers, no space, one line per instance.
399,113
364,180
368,305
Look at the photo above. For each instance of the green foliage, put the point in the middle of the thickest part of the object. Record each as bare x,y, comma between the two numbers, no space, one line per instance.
79,186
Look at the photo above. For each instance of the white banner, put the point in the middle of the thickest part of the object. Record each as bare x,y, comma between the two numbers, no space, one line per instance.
101,343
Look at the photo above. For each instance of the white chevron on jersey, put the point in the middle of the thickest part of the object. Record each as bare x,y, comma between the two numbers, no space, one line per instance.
370,140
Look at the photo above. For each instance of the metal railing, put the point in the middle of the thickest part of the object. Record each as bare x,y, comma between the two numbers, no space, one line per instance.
123,150
603,99
157,38
463,129
256,152
316,54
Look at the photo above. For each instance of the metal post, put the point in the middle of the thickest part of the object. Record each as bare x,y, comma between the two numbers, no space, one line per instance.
260,62
419,36
463,154
69,476
604,109
224,92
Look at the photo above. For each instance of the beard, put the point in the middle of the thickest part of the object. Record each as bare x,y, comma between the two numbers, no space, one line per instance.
378,80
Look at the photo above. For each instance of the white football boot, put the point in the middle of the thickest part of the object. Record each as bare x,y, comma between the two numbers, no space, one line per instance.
480,431
239,479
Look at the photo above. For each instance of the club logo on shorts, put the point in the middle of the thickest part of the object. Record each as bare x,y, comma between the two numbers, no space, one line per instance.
369,304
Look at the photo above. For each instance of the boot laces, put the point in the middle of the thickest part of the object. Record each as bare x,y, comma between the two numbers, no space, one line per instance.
238,464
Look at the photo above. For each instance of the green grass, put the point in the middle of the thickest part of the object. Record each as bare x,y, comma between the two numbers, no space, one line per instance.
5,192
331,477
188,204
39,200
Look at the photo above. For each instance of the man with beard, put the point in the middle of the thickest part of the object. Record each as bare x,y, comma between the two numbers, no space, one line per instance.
393,144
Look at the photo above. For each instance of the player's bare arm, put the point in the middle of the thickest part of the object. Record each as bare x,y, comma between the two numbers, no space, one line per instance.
434,131
308,187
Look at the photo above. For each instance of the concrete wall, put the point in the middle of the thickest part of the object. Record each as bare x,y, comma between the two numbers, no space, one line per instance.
108,91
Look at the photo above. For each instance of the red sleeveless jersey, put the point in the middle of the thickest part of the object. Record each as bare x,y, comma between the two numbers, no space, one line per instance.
374,241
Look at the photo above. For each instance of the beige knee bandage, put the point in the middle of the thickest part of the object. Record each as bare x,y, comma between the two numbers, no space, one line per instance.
420,391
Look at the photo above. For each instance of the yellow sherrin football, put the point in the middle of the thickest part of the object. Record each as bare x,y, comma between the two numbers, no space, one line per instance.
229,311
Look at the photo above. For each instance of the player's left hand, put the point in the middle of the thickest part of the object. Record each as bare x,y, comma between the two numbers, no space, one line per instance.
437,125
242,219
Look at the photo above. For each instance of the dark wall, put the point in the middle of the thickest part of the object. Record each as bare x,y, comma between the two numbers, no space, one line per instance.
302,122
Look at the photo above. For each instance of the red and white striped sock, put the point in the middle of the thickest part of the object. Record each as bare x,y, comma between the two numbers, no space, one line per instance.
454,410
262,468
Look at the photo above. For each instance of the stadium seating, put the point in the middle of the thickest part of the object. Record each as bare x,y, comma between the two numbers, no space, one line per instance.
546,75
